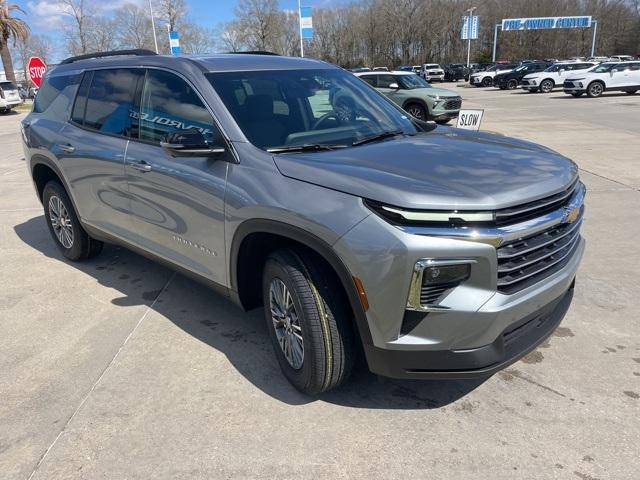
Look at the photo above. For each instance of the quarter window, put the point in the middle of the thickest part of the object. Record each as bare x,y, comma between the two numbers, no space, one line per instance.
169,104
51,89
370,79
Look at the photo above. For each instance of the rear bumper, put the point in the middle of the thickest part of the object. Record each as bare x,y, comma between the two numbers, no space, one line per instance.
513,343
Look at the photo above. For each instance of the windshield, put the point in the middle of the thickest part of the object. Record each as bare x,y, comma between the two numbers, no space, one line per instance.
432,65
556,68
283,108
520,68
603,68
8,86
409,82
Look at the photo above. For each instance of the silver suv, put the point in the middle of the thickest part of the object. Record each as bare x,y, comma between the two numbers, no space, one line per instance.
290,183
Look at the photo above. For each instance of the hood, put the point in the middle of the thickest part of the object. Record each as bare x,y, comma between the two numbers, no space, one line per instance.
442,169
433,91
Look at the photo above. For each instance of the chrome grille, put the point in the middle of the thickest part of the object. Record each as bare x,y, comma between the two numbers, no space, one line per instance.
453,104
537,208
525,261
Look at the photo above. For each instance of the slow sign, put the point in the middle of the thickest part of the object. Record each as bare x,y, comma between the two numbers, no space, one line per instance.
36,69
470,119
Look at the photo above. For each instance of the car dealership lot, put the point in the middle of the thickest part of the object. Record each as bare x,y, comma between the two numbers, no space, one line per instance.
119,368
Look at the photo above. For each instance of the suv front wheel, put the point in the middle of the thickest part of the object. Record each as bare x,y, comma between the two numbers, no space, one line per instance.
417,111
308,321
62,220
595,89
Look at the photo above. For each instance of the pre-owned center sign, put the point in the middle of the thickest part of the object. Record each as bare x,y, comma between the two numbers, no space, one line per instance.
540,23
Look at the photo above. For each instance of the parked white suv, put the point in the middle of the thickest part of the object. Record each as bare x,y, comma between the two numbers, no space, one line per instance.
431,72
9,96
485,78
554,76
623,76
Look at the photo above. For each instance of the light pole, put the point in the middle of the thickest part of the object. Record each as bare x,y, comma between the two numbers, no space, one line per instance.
469,29
153,27
300,30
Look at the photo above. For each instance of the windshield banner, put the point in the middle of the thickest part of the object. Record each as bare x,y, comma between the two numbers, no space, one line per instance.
540,23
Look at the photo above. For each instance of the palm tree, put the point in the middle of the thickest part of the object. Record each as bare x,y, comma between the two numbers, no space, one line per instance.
10,28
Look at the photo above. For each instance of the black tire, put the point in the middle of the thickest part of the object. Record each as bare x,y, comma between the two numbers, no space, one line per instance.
487,81
631,92
78,245
512,84
322,315
547,86
595,89
577,94
416,110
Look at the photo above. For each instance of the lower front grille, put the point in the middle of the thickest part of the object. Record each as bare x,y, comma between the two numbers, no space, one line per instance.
526,261
453,104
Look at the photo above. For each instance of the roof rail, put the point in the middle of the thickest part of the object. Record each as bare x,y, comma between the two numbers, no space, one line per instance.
112,53
257,52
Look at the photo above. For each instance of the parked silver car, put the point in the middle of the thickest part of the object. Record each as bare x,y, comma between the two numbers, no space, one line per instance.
290,183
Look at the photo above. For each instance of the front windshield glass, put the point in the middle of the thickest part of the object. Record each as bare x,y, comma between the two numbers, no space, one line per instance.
409,82
520,68
432,65
555,68
286,108
604,68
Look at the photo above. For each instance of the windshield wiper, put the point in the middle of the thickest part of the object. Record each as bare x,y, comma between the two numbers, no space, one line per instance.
379,136
307,147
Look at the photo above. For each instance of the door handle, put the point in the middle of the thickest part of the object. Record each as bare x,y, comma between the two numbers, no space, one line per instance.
140,166
67,148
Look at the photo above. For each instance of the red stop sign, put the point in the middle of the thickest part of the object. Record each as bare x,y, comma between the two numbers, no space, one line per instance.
36,68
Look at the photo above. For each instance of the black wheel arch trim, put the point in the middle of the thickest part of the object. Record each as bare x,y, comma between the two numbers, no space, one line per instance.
321,247
42,160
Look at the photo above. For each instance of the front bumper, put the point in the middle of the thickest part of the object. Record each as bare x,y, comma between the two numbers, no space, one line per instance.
513,343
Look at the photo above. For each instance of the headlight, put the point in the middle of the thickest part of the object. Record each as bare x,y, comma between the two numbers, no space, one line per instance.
532,82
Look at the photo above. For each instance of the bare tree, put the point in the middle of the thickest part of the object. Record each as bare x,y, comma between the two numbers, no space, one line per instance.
257,20
34,46
133,27
77,33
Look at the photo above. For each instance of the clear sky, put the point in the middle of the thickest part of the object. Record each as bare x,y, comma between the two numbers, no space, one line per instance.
44,15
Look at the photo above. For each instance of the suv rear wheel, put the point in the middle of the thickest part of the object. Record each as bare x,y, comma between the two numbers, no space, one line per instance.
595,89
62,220
487,81
512,84
308,321
547,86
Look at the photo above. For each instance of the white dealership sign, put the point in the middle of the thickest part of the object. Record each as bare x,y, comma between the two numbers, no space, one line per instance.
470,119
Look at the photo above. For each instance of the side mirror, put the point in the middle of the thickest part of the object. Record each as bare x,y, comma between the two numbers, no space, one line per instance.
394,85
615,70
188,143
562,70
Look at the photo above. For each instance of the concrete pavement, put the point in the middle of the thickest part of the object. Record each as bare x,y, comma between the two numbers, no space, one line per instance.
119,368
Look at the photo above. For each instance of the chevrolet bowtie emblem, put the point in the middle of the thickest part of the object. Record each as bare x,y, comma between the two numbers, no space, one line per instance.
571,214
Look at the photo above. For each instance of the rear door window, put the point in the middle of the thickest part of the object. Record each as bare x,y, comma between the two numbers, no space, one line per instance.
110,106
384,81
370,79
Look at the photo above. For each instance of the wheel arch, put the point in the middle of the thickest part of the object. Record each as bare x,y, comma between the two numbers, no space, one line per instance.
44,170
417,101
252,242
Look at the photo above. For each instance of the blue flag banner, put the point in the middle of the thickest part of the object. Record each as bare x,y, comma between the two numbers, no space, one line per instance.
306,24
174,43
469,30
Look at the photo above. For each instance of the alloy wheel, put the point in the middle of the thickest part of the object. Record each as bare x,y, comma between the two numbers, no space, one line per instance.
595,89
60,221
286,323
416,111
